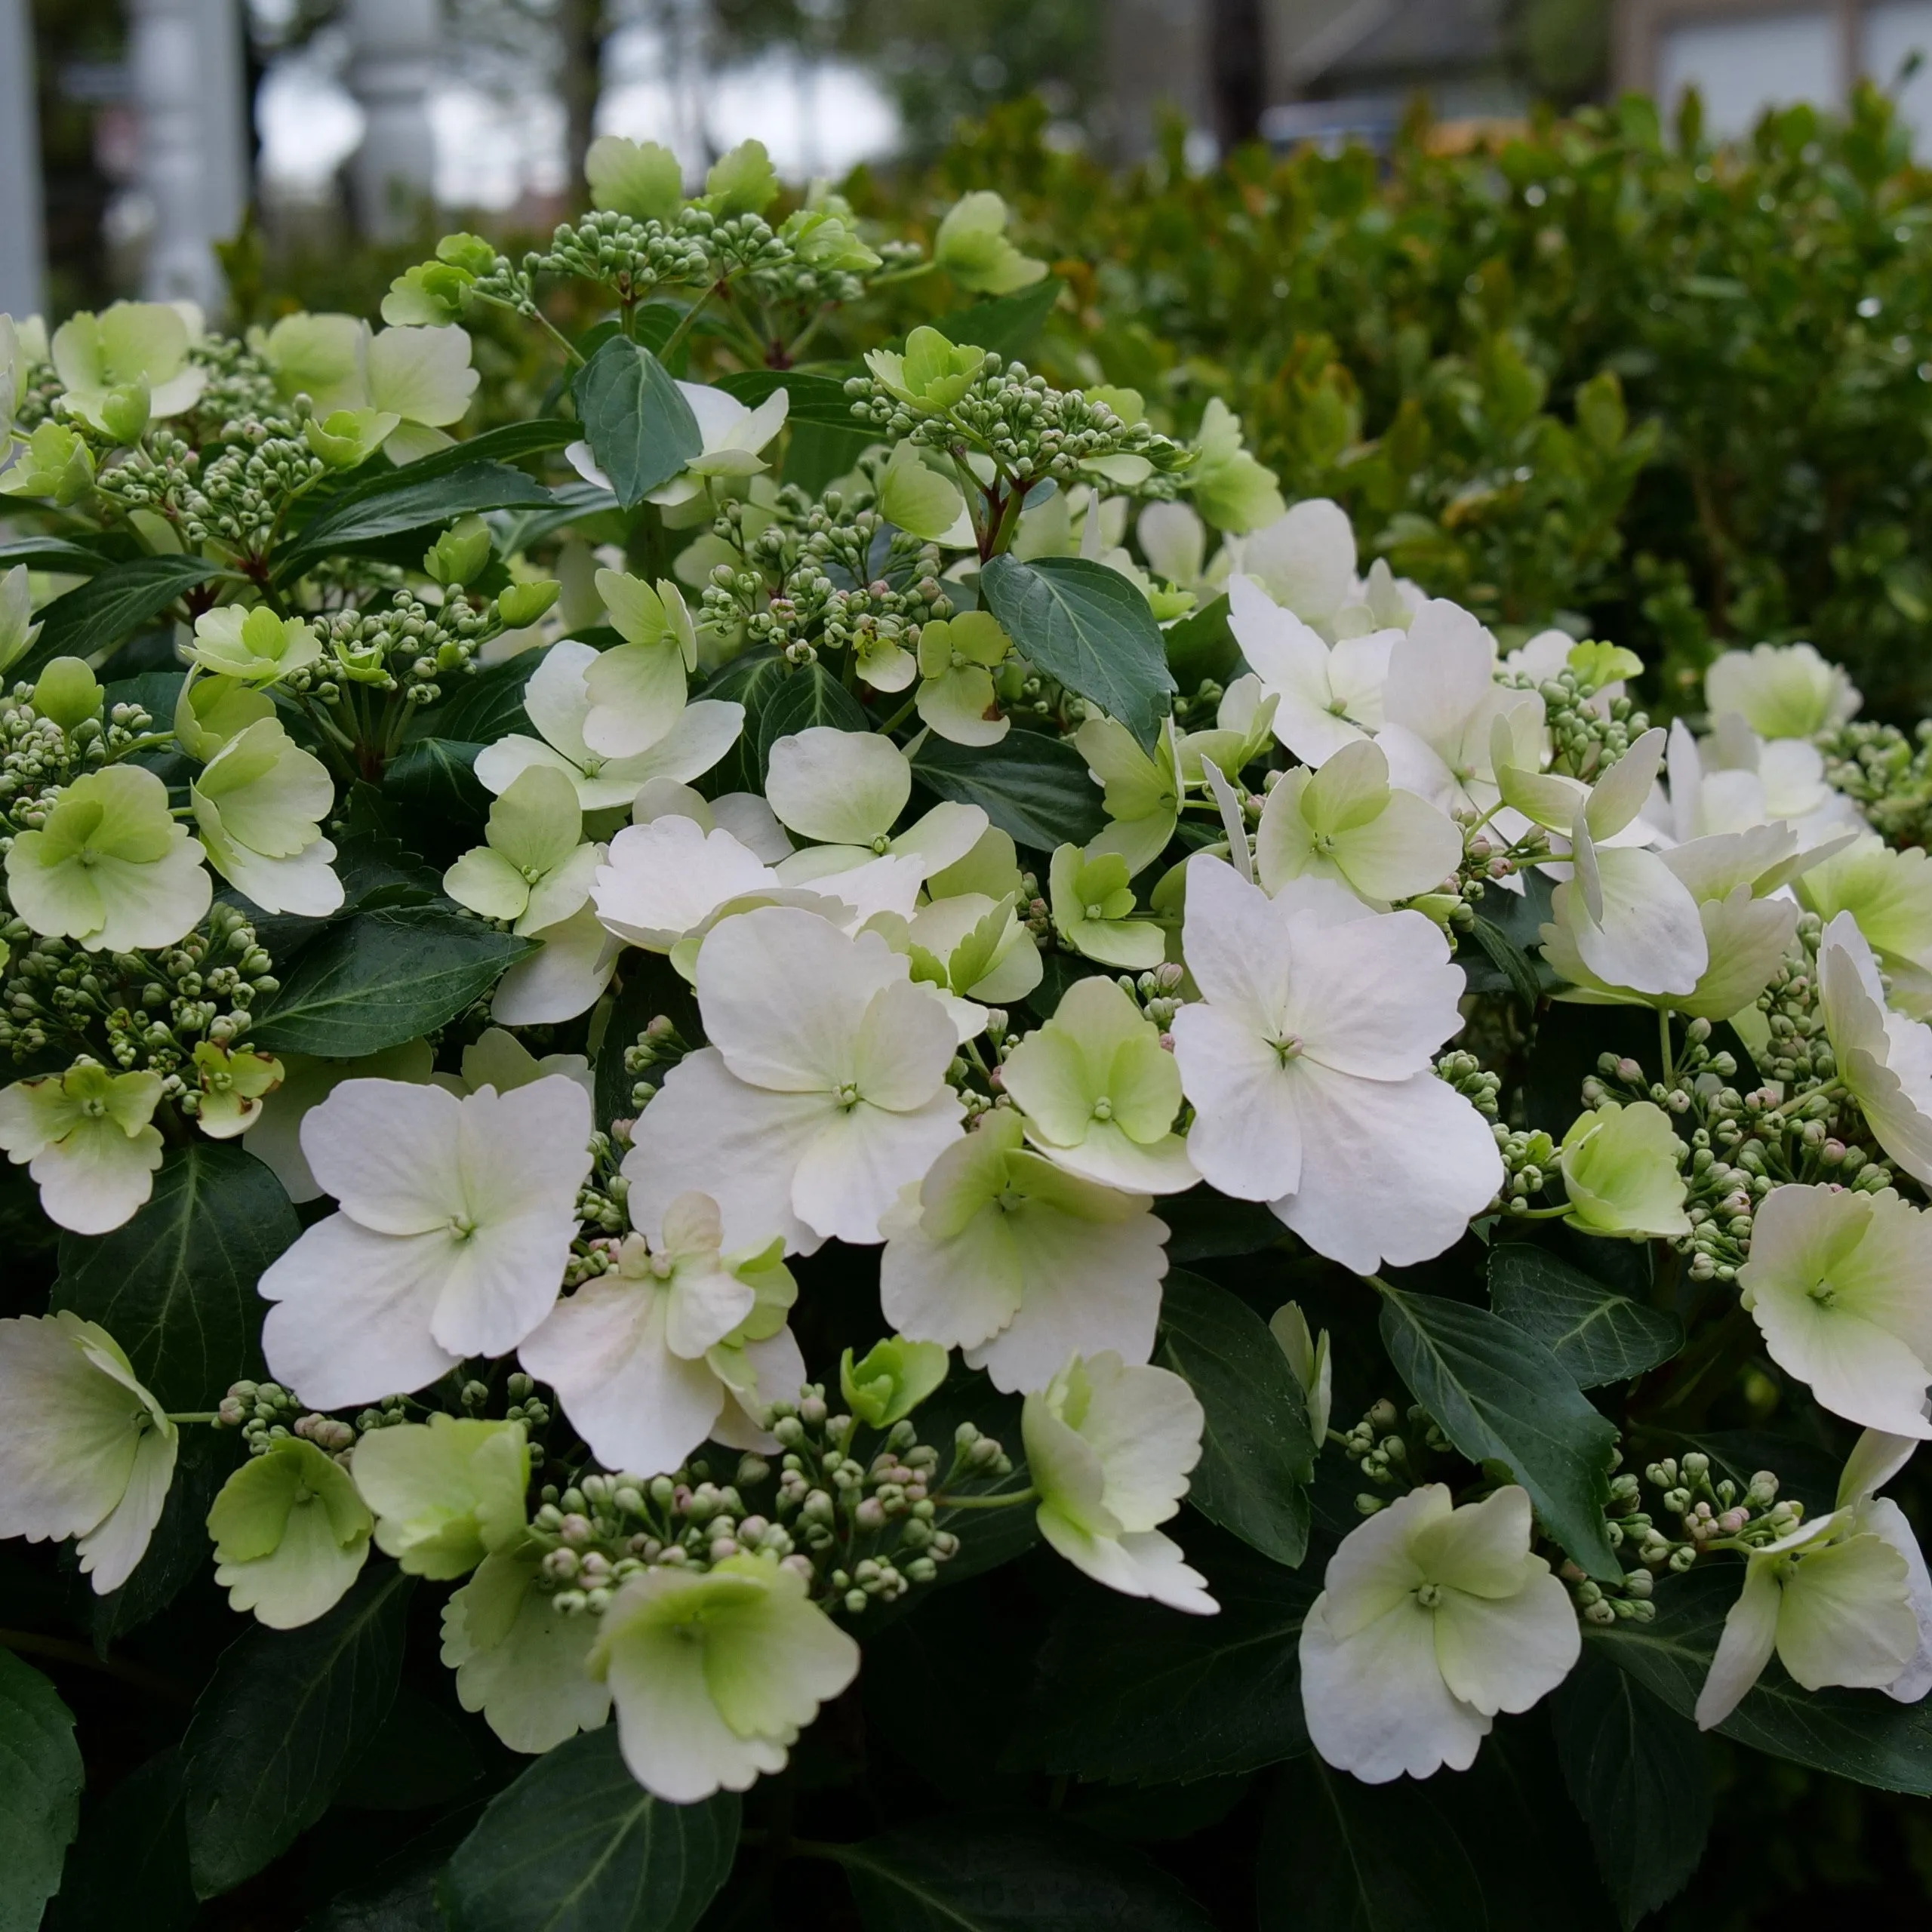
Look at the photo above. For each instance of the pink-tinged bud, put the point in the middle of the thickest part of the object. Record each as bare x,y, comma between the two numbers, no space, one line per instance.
575,1531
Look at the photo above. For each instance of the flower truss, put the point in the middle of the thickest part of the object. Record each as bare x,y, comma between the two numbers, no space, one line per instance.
666,1046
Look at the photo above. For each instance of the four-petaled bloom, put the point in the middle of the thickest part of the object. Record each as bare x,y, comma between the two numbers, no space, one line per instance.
445,1493
1109,1446
87,1452
291,1534
646,1357
1431,1620
88,1138
1007,1256
1620,1170
714,1675
457,1216
109,866
1308,1063
1840,1285
823,1092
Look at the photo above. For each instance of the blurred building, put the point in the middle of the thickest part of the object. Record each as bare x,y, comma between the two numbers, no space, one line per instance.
1744,55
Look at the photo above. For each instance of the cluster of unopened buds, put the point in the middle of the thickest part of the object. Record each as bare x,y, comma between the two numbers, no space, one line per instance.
266,1412
1387,1454
1711,1514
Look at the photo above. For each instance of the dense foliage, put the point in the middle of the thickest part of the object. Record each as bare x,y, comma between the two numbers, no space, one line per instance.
802,1122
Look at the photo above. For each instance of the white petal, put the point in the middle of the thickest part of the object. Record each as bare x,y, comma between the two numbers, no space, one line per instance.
709,1130
665,878
1141,1563
1355,1207
351,1321
1506,1653
1750,1634
861,1156
1375,1702
110,1551
1246,1138
604,1350
844,787
388,1151
1087,1286
1376,997
784,994
564,979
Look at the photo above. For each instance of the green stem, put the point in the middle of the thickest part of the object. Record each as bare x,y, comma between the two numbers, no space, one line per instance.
1663,1046
59,1650
194,1415
1561,1208
675,340
899,716
1009,1501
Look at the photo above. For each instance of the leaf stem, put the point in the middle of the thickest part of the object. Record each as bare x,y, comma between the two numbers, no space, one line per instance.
59,1650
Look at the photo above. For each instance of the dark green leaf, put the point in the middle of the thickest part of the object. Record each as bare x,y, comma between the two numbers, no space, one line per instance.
156,692
400,1895
94,617
1007,324
1135,1692
1256,1456
284,1715
175,1286
639,427
1859,1734
1203,1225
1499,1396
53,553
1338,1856
1514,971
129,1866
480,710
439,775
1486,1849
421,1756
40,1791
1035,787
1010,1873
817,399
1640,1776
1087,626
1200,646
1598,1335
577,1845
752,679
410,502
382,978
816,454
178,1550
810,696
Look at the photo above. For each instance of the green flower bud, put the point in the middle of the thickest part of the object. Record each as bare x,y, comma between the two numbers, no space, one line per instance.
522,603
460,554
123,411
68,692
347,437
894,1378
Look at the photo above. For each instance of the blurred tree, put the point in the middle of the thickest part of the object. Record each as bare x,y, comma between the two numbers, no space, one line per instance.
940,61
78,48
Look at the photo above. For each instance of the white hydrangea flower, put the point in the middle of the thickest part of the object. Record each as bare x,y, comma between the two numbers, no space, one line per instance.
713,1675
1305,561
87,1452
1733,780
646,1358
1442,704
290,1534
821,1093
1108,1447
1000,1253
259,804
274,1136
1347,822
456,1220
1884,1060
1888,892
1326,695
847,789
1431,1619
1307,1062
665,879
558,700
1834,1599
1840,1285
